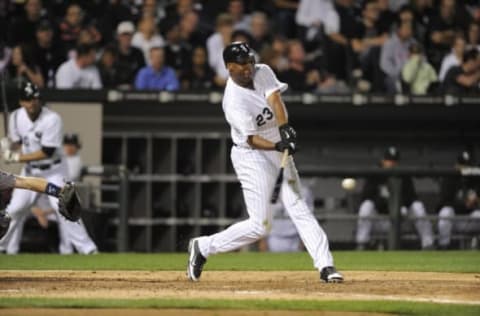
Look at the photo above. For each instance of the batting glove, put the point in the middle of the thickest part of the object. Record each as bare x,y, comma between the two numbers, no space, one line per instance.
5,144
281,146
11,156
287,133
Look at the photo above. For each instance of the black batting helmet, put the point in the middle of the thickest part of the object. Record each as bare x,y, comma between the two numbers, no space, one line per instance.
238,52
29,91
391,153
465,158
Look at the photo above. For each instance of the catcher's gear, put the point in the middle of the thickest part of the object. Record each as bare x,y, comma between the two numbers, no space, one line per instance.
239,53
4,223
69,204
29,91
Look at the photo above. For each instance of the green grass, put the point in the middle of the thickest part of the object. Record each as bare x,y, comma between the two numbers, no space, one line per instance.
449,261
394,307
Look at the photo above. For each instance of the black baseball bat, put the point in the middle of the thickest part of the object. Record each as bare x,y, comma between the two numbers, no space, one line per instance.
4,105
278,182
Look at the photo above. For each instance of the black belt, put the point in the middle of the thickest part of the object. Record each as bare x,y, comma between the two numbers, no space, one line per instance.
46,165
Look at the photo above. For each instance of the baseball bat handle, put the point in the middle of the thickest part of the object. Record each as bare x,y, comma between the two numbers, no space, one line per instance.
283,163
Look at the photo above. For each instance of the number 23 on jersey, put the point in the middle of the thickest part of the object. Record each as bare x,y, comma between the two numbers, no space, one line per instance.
266,115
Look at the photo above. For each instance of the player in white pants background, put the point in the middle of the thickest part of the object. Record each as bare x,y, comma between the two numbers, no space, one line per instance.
376,193
260,132
39,132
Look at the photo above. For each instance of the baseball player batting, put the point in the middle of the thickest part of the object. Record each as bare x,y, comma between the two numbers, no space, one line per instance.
260,132
38,131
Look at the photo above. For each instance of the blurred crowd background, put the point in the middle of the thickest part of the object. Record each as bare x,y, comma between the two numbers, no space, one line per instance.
318,46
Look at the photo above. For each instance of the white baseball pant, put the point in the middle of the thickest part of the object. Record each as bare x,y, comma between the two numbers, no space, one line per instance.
257,171
447,225
365,226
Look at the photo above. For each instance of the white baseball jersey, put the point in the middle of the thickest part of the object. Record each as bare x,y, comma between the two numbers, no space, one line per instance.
248,113
45,131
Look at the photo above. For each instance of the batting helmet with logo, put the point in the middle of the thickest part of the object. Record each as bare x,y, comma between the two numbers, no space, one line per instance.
29,91
238,52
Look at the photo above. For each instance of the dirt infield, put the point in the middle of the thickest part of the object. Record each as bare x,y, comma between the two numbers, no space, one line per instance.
359,285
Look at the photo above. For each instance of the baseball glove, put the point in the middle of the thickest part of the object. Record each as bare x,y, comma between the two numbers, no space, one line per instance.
69,204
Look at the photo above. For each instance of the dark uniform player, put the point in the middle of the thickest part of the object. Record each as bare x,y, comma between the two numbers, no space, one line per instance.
459,196
376,194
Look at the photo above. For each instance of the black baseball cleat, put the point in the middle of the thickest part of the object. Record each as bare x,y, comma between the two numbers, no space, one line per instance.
195,261
330,275
4,223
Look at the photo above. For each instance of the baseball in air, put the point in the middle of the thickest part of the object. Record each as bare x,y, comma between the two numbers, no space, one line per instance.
348,184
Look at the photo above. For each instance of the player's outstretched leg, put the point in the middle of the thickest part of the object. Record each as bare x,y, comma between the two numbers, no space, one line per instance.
195,260
4,223
330,275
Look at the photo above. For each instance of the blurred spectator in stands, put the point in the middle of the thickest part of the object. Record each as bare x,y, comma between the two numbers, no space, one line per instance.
199,75
315,18
417,74
71,25
283,236
215,45
394,55
79,72
22,29
260,31
85,37
147,36
423,12
191,30
285,11
299,75
176,10
367,44
178,53
375,200
454,58
115,12
106,67
303,75
6,12
276,55
341,28
459,196
236,9
386,17
464,79
22,67
157,76
49,54
473,36
153,8
129,58
451,18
